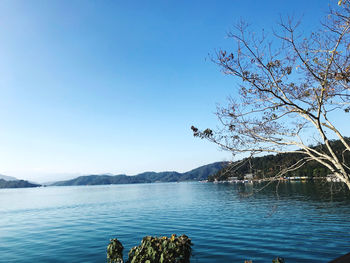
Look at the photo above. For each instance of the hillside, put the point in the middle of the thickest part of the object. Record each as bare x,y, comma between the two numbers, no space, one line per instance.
270,165
203,172
200,173
16,184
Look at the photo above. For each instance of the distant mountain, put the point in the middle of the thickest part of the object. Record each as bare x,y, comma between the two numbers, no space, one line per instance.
200,173
203,172
7,178
16,184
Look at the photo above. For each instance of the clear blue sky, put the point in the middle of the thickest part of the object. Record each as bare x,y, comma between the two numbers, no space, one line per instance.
114,86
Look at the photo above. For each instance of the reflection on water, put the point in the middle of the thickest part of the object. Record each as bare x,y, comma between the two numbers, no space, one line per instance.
303,223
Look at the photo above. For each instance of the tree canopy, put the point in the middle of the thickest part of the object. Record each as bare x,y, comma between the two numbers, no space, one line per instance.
290,89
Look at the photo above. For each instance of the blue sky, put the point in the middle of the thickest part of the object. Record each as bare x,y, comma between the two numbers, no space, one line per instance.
114,86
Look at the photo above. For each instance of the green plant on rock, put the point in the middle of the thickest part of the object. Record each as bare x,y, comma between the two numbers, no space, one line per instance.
153,250
115,251
163,250
278,260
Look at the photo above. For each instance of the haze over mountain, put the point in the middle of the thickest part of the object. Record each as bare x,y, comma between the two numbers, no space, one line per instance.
7,178
198,174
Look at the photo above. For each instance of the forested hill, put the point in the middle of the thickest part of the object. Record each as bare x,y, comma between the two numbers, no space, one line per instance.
198,174
270,165
16,184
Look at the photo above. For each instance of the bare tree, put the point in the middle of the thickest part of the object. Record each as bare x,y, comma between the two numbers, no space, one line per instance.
289,92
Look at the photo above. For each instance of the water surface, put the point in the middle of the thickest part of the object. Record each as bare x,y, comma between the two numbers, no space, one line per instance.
74,224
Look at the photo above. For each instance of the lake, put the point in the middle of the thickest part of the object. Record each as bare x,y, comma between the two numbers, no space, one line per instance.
301,223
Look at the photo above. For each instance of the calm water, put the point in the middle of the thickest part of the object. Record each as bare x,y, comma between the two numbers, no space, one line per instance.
74,224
